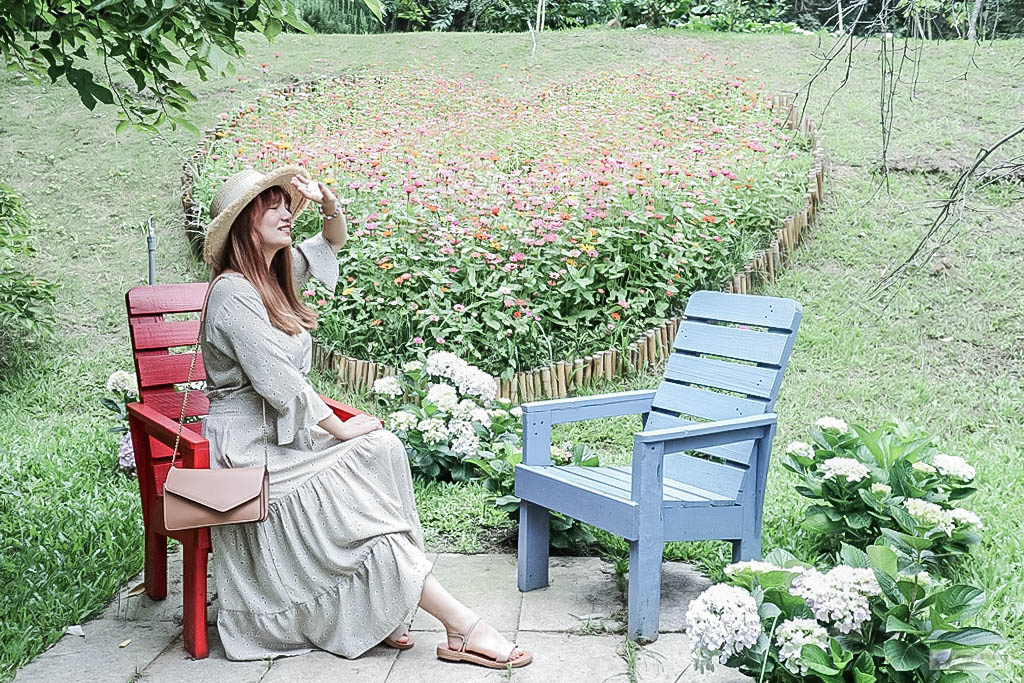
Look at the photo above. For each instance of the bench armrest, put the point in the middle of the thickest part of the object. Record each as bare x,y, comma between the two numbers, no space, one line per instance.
194,448
707,434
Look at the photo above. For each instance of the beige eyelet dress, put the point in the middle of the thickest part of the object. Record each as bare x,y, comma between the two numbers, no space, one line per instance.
339,563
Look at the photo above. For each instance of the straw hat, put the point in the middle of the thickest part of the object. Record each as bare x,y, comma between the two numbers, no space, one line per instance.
235,194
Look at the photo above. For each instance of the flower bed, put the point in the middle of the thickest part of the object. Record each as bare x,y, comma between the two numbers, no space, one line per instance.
519,231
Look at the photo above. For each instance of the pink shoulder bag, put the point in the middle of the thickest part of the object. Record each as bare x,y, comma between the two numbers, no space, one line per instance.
196,498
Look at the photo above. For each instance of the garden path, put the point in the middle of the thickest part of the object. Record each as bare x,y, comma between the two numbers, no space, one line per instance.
571,627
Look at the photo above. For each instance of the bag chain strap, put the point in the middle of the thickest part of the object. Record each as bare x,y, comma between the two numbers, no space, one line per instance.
191,369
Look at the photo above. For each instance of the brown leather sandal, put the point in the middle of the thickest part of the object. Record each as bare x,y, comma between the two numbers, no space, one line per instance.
501,661
398,645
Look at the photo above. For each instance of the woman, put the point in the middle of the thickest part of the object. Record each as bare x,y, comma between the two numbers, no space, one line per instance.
339,563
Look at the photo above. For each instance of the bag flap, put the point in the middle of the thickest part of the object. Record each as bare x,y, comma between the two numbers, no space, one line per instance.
219,489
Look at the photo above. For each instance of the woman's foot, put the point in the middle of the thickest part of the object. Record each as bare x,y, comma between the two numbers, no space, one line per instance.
400,638
481,644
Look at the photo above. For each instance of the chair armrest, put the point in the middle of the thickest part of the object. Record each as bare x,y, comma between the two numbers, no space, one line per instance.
341,410
194,448
706,434
561,410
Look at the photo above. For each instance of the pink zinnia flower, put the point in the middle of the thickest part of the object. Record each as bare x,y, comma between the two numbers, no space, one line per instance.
417,340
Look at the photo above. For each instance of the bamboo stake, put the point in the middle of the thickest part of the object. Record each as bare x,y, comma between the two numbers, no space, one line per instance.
524,395
652,347
577,373
563,378
538,386
545,377
587,363
606,359
350,372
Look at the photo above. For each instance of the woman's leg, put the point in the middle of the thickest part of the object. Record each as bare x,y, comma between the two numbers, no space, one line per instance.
458,619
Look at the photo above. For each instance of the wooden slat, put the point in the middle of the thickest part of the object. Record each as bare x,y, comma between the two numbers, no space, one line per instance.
170,369
751,380
739,452
703,523
681,491
731,342
162,299
672,397
763,311
725,480
163,335
169,402
622,477
549,488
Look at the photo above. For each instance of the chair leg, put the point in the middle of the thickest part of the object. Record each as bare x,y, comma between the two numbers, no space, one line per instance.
155,576
644,589
748,547
194,596
534,534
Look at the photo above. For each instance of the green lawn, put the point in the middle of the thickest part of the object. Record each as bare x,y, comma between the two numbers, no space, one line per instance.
946,351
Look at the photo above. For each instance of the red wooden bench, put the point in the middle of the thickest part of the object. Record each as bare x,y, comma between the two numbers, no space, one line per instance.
154,423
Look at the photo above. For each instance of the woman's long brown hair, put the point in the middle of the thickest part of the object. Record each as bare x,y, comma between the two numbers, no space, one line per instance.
244,254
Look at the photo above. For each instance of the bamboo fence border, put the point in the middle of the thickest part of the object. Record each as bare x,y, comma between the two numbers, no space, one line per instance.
560,378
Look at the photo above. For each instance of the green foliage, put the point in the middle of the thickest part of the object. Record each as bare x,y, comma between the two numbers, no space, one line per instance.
339,16
916,628
26,313
891,481
143,41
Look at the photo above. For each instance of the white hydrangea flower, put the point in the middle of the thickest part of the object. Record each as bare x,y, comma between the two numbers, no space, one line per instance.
722,621
464,438
464,411
481,416
443,396
516,412
962,517
953,466
473,381
801,448
500,413
792,635
753,565
924,467
388,386
839,597
413,366
444,364
122,381
403,420
434,430
849,468
881,489
930,513
833,423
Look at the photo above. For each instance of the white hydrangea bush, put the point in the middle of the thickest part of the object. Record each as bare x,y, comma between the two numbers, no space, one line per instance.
446,411
894,478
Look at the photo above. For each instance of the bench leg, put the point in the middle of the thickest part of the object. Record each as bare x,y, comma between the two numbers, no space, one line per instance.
534,533
194,596
644,589
155,577
748,547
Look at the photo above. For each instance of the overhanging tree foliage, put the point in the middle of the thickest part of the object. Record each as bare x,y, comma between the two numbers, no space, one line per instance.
147,40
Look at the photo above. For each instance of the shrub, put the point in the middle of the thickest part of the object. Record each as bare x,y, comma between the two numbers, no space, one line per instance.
891,482
875,617
25,301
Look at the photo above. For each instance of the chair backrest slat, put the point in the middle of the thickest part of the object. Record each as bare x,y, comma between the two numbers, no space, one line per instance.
160,371
758,311
751,380
165,334
721,368
766,348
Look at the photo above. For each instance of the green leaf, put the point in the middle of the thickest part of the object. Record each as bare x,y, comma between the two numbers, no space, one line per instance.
915,542
883,559
967,637
960,601
817,660
904,656
854,557
897,625
122,125
273,28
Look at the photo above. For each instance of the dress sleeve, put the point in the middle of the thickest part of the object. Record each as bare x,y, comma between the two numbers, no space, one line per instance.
244,328
314,257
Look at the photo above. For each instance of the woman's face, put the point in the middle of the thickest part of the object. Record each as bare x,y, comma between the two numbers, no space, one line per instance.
275,227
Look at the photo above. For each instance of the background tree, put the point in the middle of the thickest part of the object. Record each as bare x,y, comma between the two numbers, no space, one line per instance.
146,40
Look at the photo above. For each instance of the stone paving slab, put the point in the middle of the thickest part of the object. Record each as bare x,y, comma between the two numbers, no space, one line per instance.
581,589
561,624
97,656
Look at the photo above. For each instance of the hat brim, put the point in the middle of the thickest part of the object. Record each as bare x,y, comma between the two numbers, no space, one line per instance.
217,233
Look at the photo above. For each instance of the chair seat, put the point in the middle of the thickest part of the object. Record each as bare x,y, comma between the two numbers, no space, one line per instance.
616,482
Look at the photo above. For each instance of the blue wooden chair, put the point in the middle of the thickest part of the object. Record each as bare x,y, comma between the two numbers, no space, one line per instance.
699,465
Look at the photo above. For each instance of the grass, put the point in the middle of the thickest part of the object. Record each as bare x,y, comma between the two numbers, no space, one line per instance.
945,352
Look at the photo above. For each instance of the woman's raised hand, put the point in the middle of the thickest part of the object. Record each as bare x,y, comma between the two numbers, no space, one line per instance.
314,191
